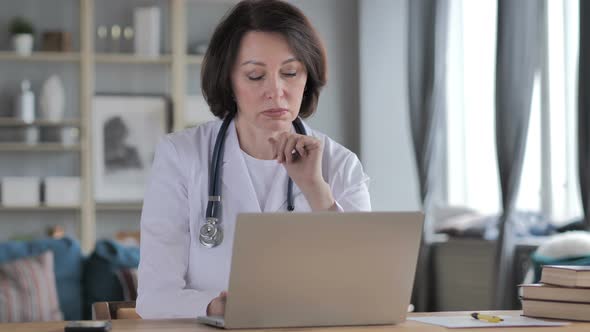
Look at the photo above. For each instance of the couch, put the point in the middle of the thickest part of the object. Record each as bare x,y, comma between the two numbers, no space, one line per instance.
80,280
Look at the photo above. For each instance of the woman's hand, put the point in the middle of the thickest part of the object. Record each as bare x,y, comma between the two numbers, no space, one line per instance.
217,306
301,156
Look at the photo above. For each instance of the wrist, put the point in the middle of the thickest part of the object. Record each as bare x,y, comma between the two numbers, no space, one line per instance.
319,196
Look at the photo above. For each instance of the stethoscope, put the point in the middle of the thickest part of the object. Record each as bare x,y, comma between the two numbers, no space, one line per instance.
211,233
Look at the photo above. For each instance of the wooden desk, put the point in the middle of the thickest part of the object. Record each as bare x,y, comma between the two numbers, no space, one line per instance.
192,325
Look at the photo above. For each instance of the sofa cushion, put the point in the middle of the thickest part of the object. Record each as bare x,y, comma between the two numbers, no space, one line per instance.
27,290
101,282
67,258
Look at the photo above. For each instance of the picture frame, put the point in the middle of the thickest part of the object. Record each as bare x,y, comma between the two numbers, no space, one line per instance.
125,131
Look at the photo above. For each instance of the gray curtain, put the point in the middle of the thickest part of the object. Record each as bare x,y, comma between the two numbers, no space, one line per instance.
518,49
427,46
584,109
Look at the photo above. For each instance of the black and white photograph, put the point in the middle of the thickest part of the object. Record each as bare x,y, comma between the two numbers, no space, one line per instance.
126,129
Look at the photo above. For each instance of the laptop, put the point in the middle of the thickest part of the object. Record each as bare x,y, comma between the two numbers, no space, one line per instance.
321,269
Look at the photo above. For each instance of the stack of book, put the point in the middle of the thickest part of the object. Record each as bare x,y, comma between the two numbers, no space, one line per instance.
564,293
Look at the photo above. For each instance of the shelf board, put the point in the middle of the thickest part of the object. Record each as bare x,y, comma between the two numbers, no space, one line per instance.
226,2
41,208
119,206
41,56
40,147
12,122
194,59
132,59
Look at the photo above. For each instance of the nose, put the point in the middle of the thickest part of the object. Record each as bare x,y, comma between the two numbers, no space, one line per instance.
274,88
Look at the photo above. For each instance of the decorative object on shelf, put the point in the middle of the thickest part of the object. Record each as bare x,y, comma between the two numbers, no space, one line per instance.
70,136
115,44
56,41
52,99
102,32
21,31
62,191
125,131
25,111
199,48
20,191
25,103
197,111
146,22
128,34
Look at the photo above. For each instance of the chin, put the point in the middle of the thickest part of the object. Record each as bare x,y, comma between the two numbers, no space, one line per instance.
277,124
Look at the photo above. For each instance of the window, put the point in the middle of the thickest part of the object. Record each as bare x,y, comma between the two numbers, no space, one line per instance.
549,177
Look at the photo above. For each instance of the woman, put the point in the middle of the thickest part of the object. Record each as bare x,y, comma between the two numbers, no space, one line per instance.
264,69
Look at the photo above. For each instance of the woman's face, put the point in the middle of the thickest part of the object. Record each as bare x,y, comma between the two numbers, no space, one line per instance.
268,81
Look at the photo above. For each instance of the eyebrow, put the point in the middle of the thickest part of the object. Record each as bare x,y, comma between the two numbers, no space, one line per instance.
258,63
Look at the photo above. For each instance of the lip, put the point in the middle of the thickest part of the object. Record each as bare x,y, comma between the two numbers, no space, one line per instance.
275,112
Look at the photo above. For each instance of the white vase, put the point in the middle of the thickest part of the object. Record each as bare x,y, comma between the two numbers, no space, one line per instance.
23,43
52,100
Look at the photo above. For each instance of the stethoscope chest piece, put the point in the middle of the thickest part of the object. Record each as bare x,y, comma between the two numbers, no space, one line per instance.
211,234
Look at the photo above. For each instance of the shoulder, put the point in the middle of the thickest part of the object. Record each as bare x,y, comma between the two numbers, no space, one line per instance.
193,139
335,153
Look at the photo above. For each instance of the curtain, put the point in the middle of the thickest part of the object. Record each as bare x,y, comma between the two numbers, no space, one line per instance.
584,110
517,61
427,46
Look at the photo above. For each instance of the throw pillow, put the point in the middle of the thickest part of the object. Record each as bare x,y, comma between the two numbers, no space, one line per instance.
27,290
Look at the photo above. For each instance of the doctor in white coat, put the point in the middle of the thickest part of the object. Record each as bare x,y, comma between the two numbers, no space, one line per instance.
265,67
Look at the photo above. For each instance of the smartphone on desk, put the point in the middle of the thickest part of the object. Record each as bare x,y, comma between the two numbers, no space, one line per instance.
87,326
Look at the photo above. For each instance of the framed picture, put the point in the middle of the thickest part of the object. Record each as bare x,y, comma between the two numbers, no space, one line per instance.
125,131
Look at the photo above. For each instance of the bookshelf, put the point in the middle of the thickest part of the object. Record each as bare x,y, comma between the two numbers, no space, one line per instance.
41,57
175,61
133,59
41,208
12,122
39,147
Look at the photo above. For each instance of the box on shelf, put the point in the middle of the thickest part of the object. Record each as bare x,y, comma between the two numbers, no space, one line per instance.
62,191
20,191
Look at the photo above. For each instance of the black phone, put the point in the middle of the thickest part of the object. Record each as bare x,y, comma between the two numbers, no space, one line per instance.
87,326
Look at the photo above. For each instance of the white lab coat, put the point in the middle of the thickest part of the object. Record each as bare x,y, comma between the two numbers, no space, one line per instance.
178,277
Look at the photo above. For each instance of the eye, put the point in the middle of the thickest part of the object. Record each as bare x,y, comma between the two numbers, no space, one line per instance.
292,74
255,78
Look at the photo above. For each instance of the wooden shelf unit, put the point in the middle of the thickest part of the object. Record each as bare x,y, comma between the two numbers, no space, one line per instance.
87,60
132,59
41,57
13,122
38,147
41,208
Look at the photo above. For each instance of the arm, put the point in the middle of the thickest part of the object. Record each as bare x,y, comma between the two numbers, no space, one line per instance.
350,187
165,243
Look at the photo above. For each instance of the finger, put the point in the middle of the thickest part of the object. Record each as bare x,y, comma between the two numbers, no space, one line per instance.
223,294
312,144
300,147
289,147
281,147
216,308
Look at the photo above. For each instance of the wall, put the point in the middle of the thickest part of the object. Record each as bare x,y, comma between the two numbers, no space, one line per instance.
338,109
385,140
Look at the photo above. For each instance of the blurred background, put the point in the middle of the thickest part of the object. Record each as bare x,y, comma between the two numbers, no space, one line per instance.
467,110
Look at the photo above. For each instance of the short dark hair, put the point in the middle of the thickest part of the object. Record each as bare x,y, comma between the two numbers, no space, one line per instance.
266,16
